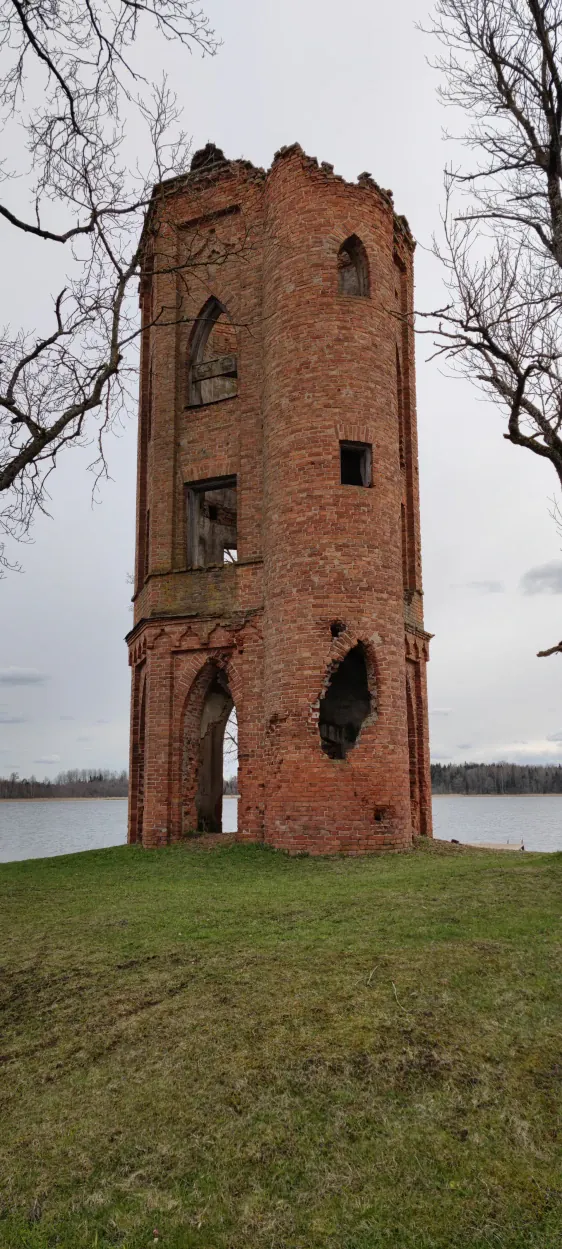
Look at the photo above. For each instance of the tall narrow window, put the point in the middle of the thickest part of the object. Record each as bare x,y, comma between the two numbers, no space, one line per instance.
353,268
404,537
212,523
213,364
400,400
150,401
147,544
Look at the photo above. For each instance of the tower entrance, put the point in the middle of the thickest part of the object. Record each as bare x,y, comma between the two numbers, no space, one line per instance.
216,709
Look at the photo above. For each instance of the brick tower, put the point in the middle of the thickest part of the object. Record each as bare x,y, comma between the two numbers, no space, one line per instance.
278,542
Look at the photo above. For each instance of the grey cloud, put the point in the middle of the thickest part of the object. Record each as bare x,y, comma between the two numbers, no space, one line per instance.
5,719
555,737
440,711
67,717
101,721
464,746
47,759
21,676
83,738
486,587
544,579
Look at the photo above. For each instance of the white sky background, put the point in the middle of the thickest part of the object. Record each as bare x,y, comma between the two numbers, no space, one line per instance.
356,92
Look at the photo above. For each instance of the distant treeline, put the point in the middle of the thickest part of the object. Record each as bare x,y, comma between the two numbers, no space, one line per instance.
230,785
495,778
74,784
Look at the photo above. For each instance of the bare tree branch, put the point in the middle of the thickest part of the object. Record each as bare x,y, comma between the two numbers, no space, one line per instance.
502,221
86,193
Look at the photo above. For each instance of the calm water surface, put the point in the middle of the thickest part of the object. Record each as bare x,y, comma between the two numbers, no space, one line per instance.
41,829
32,830
537,821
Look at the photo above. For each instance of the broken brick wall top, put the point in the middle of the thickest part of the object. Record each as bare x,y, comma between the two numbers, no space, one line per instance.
266,246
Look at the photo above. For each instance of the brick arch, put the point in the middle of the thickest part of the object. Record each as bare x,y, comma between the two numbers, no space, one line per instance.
194,674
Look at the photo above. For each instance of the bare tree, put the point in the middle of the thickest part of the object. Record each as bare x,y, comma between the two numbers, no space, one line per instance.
502,65
68,78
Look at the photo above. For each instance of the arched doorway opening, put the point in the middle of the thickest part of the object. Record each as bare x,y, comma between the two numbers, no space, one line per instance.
217,708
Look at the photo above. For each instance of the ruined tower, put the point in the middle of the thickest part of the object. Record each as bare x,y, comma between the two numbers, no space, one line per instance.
278,542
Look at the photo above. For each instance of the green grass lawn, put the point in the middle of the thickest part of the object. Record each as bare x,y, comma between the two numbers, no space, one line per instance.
248,1051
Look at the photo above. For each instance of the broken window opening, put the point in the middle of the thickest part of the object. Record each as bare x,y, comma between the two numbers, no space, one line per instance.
213,363
353,268
345,705
356,460
212,522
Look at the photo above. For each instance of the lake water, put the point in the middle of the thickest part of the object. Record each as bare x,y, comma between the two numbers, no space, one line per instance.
32,830
41,829
537,821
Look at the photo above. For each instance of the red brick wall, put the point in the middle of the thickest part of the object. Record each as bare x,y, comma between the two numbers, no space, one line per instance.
314,367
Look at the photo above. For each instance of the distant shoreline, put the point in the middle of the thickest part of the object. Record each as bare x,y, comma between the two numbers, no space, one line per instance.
537,795
125,798
87,798
70,798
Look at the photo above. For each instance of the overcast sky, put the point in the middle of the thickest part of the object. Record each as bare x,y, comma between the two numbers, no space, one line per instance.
353,87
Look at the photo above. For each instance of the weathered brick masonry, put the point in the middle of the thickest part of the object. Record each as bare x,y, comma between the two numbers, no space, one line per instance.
278,433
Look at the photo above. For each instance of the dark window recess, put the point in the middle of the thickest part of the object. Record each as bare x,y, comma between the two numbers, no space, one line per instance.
356,459
353,268
345,705
211,523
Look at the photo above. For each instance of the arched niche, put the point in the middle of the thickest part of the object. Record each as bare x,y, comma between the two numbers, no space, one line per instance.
353,268
213,360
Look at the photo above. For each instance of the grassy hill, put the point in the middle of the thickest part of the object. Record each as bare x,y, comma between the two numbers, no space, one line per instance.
247,1051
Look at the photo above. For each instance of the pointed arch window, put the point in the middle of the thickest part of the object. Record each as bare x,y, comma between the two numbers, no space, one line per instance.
213,361
353,268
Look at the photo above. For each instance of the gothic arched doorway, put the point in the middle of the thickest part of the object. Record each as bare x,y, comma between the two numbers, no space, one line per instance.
204,740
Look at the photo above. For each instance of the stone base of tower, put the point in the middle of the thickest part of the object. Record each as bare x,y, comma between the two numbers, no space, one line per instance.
187,674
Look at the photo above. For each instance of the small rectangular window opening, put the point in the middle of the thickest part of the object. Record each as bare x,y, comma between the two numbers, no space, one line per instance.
211,523
356,459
